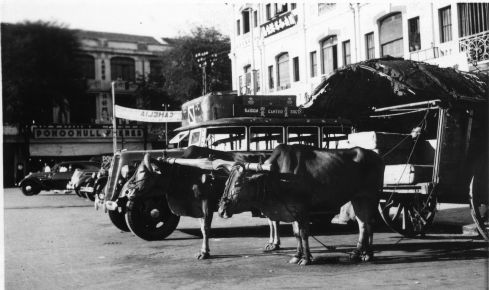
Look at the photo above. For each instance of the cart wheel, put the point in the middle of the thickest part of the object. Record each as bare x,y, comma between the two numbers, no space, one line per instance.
150,218
408,214
479,205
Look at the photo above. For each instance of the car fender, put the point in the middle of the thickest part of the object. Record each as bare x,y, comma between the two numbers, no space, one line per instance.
34,179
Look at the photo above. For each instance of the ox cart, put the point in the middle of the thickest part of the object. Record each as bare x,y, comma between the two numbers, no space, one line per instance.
443,159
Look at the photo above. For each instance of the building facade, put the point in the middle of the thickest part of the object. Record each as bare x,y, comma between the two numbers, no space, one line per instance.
84,129
288,48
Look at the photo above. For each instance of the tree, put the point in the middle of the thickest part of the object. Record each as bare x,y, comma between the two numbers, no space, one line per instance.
183,76
39,70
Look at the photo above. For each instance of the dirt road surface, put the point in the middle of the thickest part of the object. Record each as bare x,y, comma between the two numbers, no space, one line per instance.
58,241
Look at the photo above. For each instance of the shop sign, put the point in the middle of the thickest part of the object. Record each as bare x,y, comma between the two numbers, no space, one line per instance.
148,115
80,132
279,24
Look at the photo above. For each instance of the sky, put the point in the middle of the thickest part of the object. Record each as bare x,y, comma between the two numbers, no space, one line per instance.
158,18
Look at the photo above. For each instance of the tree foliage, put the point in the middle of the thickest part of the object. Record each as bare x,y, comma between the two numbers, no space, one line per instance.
183,76
39,70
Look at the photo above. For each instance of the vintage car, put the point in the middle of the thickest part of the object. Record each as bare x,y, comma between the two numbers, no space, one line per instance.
58,178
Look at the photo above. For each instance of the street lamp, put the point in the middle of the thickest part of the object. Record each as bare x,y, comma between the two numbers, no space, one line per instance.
114,127
203,60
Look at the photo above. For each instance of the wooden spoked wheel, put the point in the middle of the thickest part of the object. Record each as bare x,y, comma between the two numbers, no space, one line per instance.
479,206
408,214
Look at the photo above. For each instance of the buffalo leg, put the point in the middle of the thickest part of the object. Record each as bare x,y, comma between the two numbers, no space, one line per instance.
299,253
205,227
304,234
274,239
365,209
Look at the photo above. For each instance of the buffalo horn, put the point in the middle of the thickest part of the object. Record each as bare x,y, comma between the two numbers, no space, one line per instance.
147,162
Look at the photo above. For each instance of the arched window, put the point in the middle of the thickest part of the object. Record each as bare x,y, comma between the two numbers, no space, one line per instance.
390,34
87,65
329,55
122,68
283,77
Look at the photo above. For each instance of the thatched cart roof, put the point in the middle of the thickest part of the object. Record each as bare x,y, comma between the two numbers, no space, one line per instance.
355,89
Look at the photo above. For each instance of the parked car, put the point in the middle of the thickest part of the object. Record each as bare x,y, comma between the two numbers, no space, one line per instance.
57,178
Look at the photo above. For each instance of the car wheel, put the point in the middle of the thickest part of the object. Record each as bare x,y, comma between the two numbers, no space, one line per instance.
90,196
30,187
150,218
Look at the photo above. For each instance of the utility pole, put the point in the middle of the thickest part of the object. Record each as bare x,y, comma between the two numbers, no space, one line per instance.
114,125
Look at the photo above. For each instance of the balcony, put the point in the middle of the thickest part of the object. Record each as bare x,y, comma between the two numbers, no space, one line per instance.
476,47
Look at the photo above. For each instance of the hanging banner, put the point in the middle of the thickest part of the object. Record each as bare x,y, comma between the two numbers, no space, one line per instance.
147,115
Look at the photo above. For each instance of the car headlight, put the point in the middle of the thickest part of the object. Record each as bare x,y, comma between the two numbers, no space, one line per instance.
125,171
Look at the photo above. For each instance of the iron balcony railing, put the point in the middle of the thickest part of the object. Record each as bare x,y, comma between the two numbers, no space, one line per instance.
475,46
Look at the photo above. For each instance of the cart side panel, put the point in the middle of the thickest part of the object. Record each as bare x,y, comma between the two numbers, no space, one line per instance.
453,171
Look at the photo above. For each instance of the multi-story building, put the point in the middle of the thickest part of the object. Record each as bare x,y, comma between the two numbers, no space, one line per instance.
288,48
83,130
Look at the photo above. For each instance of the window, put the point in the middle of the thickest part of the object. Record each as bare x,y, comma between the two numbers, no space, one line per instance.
283,78
280,8
122,68
226,138
238,27
255,18
246,21
325,7
87,66
155,70
390,36
268,10
295,64
346,53
293,6
314,64
265,138
369,45
246,87
257,80
445,17
303,135
335,137
270,77
473,18
329,55
414,36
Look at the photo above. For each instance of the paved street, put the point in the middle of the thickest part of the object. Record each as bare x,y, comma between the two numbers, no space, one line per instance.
58,241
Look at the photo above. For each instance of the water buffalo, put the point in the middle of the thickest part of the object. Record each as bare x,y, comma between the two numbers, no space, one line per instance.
189,189
296,178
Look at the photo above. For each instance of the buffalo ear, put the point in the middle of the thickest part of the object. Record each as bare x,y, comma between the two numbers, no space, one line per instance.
147,162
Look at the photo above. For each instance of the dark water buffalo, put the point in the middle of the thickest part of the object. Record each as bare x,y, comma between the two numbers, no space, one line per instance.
297,178
187,192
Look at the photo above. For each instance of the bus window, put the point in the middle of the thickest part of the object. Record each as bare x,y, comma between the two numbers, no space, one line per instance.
194,138
265,138
179,141
335,137
226,138
303,135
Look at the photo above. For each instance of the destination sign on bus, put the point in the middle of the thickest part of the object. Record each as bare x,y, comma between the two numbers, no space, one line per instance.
268,111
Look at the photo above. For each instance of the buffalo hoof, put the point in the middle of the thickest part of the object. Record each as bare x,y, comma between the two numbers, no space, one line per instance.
355,256
305,262
295,260
270,247
368,256
203,256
